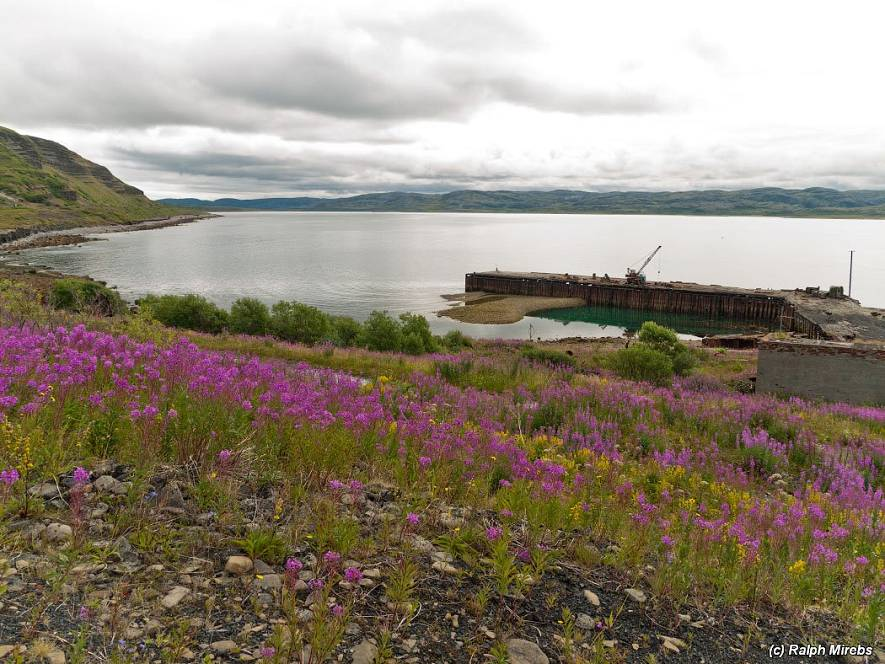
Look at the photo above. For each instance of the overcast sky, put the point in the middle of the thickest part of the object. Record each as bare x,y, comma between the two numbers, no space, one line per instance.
265,98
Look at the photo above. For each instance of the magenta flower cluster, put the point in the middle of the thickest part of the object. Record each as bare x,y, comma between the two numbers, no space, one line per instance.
811,492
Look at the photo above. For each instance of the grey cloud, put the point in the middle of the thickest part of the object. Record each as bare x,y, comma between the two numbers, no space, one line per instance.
443,65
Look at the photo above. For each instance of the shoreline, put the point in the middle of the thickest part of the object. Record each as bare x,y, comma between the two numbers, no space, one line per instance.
19,239
491,309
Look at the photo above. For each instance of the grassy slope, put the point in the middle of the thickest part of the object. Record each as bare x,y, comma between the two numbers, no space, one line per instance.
44,184
274,500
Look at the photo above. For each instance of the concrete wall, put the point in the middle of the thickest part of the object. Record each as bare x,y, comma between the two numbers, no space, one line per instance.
821,370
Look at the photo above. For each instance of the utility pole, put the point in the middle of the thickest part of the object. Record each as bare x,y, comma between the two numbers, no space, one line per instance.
850,270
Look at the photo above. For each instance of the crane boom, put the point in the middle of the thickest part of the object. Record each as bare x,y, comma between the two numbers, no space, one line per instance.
648,260
636,276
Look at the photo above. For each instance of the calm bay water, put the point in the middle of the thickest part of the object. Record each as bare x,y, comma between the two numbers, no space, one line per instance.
352,263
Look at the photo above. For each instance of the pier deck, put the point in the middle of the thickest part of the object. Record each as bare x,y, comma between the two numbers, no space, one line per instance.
814,315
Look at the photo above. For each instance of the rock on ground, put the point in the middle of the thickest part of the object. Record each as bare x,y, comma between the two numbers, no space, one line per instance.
57,532
174,596
364,653
238,565
636,595
520,651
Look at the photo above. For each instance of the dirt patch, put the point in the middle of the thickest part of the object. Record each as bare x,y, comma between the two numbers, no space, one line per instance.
502,309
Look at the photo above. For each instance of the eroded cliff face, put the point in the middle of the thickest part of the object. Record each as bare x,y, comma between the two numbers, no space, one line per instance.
43,183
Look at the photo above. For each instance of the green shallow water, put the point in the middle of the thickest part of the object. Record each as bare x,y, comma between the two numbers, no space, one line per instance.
632,319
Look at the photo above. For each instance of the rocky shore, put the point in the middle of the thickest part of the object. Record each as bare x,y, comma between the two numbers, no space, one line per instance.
29,238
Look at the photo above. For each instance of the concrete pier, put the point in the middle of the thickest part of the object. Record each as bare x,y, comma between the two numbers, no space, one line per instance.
806,312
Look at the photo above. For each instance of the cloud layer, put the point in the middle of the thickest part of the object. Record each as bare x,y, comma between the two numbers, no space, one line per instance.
216,99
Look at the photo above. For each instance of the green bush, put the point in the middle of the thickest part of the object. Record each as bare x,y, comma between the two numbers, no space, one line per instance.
417,337
249,316
345,330
456,340
664,340
294,321
658,337
381,332
683,362
81,296
547,356
641,362
190,312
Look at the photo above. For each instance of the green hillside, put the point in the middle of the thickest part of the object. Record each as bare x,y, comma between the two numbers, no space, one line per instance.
767,201
42,183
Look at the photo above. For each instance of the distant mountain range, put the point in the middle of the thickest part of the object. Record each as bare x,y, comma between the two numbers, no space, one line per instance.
769,201
44,184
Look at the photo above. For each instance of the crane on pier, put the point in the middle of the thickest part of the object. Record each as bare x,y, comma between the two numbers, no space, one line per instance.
636,276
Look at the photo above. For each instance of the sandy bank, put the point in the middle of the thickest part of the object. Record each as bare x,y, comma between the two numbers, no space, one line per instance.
501,309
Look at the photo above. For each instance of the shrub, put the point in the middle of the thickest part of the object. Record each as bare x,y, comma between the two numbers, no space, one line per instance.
294,321
664,340
683,361
249,316
641,362
381,332
81,296
417,337
191,312
547,356
456,340
345,330
658,337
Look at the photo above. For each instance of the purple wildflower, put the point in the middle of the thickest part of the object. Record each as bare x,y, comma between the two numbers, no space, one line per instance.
81,476
9,476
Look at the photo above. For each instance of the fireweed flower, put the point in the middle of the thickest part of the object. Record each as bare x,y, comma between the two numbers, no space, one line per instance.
81,476
292,568
9,476
827,520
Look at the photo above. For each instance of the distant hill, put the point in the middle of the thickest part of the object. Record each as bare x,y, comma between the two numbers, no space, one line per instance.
769,201
43,183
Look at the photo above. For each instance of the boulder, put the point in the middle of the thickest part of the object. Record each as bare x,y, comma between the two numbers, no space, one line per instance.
520,651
